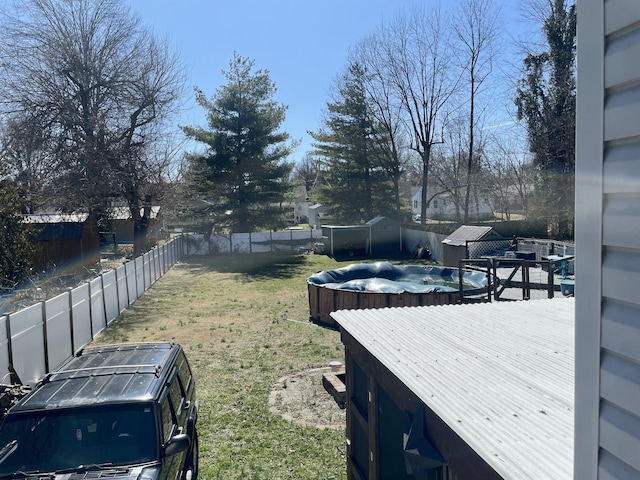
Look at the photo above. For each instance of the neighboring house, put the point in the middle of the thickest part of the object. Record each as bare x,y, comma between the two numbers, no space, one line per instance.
122,223
297,209
607,367
442,207
300,206
69,240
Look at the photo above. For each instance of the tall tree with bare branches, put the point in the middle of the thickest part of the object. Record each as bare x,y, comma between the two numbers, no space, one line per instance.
415,51
100,84
386,111
476,29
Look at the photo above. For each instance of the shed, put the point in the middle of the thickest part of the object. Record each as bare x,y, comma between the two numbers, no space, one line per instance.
386,237
346,240
460,391
64,239
315,213
470,241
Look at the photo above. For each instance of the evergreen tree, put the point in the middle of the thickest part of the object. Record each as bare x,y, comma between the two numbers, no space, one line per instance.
243,176
546,100
15,246
356,188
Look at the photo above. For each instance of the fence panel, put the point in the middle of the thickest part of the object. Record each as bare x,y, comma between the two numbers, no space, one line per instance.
169,255
197,244
4,350
58,320
146,268
132,287
241,242
177,247
139,265
255,242
150,265
110,295
123,295
412,239
155,258
162,258
98,316
81,316
73,318
27,343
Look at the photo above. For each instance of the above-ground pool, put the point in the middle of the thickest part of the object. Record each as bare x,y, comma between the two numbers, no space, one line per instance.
381,284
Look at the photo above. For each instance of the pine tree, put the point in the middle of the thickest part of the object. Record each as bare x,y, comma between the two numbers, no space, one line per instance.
356,188
15,246
243,175
546,100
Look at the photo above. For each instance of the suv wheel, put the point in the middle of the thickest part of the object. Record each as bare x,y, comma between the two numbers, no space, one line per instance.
191,466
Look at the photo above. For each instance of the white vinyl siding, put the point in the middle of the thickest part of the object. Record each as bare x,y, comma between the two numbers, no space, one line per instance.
607,436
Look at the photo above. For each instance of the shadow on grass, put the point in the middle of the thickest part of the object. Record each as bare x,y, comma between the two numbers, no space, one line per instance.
256,266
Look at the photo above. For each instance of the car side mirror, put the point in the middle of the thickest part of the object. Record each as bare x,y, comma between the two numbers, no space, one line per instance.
176,444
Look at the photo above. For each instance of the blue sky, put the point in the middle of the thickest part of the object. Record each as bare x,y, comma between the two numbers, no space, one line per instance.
303,44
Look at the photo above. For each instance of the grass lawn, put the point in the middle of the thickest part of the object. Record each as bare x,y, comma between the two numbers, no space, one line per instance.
243,321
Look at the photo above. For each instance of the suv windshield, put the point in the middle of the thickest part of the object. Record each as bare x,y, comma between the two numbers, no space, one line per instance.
59,439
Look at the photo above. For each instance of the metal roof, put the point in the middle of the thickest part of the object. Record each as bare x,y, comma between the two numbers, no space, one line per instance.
469,233
40,218
123,213
500,375
104,374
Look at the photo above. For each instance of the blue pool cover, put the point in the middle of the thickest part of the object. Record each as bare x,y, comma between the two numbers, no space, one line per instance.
383,277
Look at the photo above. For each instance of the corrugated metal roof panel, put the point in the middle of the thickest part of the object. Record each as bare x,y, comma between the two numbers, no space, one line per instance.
123,213
41,218
501,375
469,233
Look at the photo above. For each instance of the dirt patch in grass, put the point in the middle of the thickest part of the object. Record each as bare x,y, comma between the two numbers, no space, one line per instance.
302,399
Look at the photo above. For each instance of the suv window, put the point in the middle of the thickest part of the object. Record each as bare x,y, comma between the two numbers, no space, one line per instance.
60,438
176,395
168,419
184,373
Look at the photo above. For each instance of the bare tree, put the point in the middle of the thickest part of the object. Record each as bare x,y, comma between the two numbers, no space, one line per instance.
511,175
476,28
387,113
306,172
415,51
448,169
100,84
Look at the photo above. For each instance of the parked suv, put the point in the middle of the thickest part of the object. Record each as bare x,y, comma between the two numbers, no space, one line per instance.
123,411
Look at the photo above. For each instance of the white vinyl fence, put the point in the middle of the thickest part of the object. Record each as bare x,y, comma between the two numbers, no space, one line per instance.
287,240
37,339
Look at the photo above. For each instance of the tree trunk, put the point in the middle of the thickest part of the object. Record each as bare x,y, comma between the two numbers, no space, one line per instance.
141,226
470,159
426,153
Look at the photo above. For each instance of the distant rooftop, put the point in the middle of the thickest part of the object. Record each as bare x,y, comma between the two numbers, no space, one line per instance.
470,233
500,375
41,218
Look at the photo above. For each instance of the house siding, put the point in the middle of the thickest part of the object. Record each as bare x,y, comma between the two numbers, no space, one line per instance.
607,427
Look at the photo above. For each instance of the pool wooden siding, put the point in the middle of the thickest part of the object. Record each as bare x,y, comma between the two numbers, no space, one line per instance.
323,301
